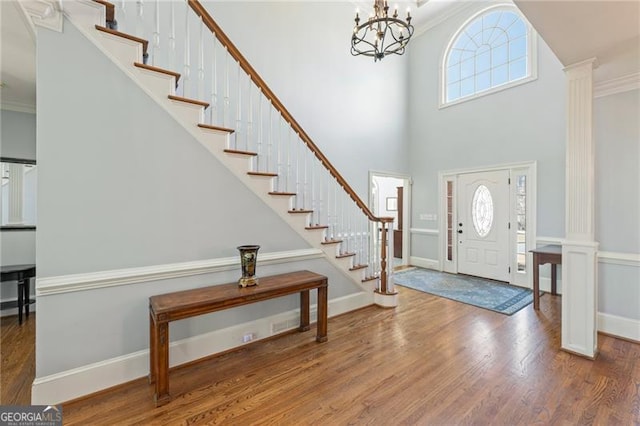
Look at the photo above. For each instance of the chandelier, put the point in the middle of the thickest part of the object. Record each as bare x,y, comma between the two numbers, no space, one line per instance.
381,34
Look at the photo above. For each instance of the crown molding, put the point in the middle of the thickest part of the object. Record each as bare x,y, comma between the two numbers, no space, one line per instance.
617,85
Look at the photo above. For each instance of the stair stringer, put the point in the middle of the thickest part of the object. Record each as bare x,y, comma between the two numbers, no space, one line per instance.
124,53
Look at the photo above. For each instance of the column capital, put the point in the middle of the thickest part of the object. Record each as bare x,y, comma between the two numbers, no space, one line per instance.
582,66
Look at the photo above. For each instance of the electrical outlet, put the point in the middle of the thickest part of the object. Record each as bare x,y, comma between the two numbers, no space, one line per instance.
248,337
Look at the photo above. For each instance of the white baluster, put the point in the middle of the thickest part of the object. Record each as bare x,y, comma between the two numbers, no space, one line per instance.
278,145
239,107
156,32
187,56
139,18
226,112
250,114
214,82
260,130
270,146
201,61
172,36
305,184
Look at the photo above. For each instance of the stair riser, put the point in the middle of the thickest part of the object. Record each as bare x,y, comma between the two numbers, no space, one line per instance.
160,84
187,113
121,49
85,14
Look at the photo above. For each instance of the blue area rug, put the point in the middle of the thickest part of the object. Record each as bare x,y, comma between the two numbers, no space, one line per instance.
504,298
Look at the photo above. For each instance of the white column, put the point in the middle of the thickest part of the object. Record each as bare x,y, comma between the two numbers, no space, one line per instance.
579,250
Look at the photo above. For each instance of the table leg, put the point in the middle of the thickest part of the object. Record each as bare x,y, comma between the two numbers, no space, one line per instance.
153,350
304,310
536,282
27,290
162,396
554,278
20,300
321,335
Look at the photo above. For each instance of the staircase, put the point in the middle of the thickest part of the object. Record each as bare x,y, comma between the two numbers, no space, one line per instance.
231,111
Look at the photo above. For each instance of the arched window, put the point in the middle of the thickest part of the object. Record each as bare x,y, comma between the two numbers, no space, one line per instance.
491,51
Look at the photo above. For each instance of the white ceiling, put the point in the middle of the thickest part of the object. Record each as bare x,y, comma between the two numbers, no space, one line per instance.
575,30
580,30
17,59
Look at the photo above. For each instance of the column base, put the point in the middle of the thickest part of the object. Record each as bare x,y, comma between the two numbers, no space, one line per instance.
385,300
580,297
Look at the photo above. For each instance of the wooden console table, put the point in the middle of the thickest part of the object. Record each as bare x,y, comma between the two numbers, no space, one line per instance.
169,307
546,254
22,274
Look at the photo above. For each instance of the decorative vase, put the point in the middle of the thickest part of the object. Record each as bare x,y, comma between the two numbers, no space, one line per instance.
248,259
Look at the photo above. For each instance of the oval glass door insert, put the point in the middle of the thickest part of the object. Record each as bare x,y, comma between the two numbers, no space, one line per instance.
482,210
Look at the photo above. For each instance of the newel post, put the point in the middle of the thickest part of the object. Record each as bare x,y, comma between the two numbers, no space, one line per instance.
385,295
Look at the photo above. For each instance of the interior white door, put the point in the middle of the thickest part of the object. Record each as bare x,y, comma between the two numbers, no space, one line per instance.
483,224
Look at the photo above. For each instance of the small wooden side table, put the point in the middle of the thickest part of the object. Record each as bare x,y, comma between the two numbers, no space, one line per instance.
546,254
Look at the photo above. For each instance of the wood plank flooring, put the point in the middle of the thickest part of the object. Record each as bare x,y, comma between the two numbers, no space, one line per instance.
17,359
430,361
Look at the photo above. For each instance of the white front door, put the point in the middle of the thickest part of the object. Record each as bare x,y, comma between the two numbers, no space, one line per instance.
483,224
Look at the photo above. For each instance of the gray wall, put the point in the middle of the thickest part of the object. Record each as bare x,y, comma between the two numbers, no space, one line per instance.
122,185
523,123
355,110
617,138
18,134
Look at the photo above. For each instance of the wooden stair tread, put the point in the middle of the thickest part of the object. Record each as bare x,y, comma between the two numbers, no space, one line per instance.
235,151
210,127
300,211
317,227
340,256
145,43
331,242
356,267
268,174
288,194
370,278
158,69
189,101
110,8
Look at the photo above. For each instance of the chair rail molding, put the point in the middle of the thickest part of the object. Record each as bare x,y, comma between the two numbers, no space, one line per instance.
93,280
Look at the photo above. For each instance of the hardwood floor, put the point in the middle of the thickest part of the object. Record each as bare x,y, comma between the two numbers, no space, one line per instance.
429,361
18,359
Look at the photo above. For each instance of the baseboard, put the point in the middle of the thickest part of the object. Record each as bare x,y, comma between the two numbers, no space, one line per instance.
423,262
81,381
619,326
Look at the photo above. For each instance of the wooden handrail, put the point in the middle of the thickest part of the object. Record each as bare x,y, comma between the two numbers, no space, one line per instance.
244,64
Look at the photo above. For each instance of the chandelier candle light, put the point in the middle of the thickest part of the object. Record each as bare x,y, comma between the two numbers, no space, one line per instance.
381,34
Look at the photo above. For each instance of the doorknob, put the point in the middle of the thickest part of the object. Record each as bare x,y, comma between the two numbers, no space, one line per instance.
459,231
460,224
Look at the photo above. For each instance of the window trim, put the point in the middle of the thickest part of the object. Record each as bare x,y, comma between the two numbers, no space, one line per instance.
532,46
